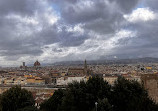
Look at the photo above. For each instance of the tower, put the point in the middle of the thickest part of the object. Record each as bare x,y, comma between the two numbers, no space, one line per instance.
85,67
23,64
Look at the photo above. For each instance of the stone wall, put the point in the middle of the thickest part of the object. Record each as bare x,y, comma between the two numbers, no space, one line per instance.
150,82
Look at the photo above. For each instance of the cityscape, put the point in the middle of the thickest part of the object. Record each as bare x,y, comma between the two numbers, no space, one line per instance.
42,81
78,55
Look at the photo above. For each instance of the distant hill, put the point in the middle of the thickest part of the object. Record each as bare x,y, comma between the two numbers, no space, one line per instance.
116,61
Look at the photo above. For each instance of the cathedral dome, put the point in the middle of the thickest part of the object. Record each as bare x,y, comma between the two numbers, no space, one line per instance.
37,63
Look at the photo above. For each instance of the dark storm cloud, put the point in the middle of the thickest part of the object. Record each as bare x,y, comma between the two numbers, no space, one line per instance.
25,7
127,5
11,45
152,4
47,35
14,29
80,11
82,14
135,51
144,44
100,17
68,38
50,35
12,42
105,25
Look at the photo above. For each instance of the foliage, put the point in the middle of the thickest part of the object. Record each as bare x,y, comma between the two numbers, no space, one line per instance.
16,98
54,102
131,96
125,95
28,108
104,105
79,96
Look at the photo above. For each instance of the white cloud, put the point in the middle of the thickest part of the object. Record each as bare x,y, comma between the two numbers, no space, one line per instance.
27,20
140,14
77,28
122,34
92,48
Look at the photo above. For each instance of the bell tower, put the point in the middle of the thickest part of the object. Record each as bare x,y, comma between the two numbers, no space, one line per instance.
85,67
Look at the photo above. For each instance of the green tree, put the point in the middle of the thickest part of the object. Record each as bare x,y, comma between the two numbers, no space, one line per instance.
131,96
125,95
16,98
28,108
104,105
54,102
82,96
75,98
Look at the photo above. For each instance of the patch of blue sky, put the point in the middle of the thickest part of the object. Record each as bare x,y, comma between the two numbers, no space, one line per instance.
140,5
56,8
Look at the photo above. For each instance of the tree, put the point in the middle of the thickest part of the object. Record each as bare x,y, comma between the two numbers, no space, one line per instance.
16,98
125,95
104,105
54,102
75,97
131,96
82,96
28,108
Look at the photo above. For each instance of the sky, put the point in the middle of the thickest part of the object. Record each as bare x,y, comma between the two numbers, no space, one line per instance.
67,30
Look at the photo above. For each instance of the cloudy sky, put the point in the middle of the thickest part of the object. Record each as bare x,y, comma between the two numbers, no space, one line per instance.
63,30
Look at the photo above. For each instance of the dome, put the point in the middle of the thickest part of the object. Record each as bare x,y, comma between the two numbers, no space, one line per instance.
37,63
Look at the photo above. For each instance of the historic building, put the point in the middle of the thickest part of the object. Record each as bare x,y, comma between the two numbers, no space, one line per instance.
69,79
35,81
150,82
23,67
37,64
79,71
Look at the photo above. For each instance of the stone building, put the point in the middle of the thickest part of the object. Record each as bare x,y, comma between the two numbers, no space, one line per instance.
150,82
79,71
110,79
37,64
23,66
70,79
35,81
76,71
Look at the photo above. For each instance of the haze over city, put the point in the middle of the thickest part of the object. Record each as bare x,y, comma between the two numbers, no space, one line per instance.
66,30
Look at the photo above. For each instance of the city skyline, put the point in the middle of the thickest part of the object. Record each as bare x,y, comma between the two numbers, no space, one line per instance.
65,30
